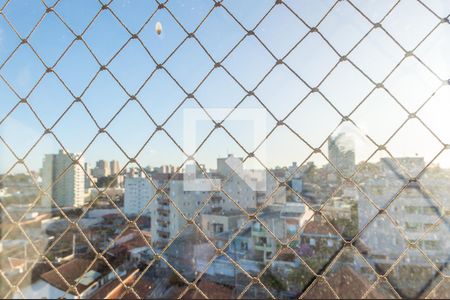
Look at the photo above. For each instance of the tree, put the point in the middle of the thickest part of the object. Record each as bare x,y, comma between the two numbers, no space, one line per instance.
273,282
105,181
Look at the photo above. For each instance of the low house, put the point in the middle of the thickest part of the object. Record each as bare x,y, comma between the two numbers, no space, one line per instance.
87,278
347,284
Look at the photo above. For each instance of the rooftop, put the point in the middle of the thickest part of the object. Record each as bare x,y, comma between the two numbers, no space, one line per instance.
115,289
211,289
348,284
70,271
79,270
318,227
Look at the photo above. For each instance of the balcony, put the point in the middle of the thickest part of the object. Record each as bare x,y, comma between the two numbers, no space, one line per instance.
165,211
163,234
162,241
162,220
163,201
258,232
164,229
263,247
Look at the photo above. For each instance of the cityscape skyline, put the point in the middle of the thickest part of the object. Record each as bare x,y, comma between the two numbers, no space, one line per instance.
280,216
411,84
437,157
224,149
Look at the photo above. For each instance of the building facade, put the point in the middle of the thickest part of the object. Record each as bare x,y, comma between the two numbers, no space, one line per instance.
138,192
341,152
63,180
102,169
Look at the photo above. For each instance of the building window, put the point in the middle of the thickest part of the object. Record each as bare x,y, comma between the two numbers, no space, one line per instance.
330,243
217,228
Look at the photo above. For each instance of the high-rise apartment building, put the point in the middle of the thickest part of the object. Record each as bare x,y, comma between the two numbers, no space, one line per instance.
102,169
114,167
89,178
165,169
166,221
63,180
138,192
415,210
341,152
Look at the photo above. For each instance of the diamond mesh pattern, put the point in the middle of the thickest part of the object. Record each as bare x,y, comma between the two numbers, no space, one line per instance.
339,48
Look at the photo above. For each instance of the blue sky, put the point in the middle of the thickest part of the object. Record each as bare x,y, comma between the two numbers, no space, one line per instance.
281,91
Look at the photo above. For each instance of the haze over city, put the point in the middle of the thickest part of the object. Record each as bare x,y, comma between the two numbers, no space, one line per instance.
224,149
411,84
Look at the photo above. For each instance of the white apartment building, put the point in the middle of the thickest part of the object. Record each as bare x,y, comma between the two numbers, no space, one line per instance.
166,220
414,210
67,189
341,152
114,167
216,224
102,169
241,185
138,192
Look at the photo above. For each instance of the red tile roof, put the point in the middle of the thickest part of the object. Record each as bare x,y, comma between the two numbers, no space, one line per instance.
286,255
210,289
71,271
129,240
318,227
116,290
347,284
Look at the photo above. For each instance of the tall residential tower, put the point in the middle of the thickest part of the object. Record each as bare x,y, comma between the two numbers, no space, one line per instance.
63,181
